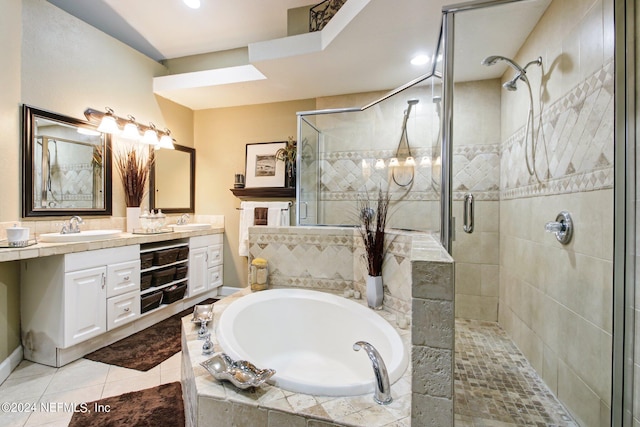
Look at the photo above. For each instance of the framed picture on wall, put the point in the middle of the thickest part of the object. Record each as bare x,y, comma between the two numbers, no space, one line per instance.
262,169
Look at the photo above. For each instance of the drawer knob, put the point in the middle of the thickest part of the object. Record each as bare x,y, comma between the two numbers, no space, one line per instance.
126,278
126,310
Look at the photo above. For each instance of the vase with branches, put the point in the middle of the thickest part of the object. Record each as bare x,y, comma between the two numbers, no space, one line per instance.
373,221
287,154
133,163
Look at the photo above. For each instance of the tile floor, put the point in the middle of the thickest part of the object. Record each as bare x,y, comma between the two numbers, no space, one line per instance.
52,390
495,385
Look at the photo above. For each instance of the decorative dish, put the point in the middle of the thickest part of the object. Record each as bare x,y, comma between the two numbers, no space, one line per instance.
202,312
240,373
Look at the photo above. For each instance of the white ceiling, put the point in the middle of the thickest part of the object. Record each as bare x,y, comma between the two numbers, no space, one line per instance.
366,47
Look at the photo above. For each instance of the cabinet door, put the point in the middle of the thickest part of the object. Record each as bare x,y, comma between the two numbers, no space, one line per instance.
85,305
197,271
215,255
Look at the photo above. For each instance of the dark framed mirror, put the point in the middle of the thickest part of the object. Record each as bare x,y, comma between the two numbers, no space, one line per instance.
172,182
66,166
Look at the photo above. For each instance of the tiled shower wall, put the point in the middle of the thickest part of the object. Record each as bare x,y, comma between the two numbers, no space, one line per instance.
338,261
352,142
556,300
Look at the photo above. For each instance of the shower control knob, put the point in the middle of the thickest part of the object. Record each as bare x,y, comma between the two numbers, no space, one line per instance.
562,227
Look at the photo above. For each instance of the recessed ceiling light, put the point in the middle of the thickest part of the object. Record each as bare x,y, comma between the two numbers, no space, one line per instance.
193,4
420,59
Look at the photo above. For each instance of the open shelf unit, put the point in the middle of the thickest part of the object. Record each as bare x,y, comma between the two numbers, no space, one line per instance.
161,246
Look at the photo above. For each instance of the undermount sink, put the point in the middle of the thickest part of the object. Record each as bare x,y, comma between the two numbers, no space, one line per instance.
190,227
82,236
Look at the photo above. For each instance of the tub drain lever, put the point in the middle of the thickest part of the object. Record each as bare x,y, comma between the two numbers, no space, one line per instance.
382,394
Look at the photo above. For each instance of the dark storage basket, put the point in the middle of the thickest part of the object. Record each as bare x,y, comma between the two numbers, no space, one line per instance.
165,256
150,301
174,293
181,272
161,277
145,281
183,253
146,260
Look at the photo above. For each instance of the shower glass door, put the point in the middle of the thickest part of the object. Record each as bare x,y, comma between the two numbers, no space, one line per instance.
523,159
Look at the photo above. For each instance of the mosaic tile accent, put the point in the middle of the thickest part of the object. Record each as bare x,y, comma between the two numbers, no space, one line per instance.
495,382
574,150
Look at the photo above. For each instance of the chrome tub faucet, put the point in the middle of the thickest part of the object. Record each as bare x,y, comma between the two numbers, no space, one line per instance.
382,394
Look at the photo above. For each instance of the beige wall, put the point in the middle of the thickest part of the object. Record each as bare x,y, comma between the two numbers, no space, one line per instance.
64,65
220,139
10,28
555,300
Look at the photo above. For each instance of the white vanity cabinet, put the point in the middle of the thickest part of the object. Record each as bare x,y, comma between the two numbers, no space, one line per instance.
205,263
64,298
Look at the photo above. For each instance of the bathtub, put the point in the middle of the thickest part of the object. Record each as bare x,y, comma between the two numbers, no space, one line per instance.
307,337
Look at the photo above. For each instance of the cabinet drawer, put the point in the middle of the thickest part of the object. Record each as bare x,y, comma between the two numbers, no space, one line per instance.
123,278
123,309
214,255
215,277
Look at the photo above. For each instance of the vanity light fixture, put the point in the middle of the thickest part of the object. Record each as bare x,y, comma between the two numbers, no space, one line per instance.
393,163
131,130
166,141
379,164
151,136
409,161
110,123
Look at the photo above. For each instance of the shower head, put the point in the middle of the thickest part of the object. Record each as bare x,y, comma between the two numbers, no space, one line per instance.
413,101
511,85
521,72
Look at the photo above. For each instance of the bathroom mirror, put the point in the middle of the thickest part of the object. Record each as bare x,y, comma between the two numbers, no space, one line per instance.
64,167
172,185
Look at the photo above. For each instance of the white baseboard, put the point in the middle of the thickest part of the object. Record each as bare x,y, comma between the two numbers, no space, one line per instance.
10,363
225,291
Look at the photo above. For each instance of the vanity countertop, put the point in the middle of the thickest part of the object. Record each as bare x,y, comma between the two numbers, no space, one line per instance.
126,239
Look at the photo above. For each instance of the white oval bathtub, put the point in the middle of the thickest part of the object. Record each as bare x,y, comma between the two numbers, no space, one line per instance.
307,337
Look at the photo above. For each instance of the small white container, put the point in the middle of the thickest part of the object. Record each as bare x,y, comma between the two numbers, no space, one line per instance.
17,236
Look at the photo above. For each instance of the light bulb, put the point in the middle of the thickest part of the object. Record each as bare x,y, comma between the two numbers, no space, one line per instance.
379,164
166,142
150,137
393,162
109,125
409,161
193,4
131,132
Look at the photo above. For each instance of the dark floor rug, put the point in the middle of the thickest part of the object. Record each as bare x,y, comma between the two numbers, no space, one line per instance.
147,348
153,407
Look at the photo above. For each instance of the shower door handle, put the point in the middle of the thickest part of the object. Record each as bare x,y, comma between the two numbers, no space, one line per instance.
468,213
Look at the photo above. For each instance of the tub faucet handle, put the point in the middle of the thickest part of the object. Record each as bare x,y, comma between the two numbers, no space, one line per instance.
382,394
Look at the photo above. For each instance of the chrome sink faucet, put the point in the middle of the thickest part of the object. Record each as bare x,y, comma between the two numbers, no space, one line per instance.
184,218
382,394
73,226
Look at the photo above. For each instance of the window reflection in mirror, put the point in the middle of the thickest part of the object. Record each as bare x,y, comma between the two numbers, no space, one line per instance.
65,169
172,183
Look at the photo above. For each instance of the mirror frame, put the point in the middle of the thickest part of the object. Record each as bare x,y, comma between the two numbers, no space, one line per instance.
29,115
192,184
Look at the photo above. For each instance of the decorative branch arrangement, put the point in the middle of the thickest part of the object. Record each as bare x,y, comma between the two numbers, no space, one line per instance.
133,162
372,225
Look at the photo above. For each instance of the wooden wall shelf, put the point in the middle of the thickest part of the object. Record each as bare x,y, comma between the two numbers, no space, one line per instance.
265,192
